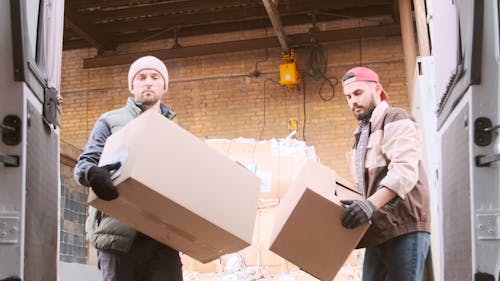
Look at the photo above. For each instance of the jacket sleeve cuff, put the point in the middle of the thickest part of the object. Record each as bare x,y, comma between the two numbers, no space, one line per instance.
397,186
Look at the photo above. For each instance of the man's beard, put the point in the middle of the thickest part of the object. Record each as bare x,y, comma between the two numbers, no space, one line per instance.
365,116
149,100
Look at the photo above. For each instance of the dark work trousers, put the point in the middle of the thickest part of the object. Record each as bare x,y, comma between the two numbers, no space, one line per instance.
147,260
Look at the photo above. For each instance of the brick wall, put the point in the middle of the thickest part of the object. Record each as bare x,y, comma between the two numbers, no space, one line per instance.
215,97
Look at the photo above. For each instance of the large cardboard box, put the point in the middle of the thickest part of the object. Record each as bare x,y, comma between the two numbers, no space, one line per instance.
176,189
308,231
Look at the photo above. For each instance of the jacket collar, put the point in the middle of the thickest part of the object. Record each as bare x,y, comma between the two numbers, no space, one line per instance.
134,107
138,108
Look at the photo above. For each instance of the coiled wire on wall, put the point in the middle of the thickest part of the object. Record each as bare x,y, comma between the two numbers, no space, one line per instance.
318,60
317,66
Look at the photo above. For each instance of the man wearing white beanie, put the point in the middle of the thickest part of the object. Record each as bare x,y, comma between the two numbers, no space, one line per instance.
125,254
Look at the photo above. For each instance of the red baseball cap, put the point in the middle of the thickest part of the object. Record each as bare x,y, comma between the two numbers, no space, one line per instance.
362,74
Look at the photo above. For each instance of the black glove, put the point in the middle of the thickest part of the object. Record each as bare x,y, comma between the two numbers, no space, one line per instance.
357,212
101,183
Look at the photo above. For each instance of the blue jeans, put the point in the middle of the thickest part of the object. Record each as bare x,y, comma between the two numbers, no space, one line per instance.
147,260
399,259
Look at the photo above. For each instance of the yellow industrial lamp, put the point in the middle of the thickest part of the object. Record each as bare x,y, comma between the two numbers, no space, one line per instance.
289,76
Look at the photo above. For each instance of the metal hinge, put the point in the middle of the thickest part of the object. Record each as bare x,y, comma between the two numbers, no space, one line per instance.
52,106
488,226
9,228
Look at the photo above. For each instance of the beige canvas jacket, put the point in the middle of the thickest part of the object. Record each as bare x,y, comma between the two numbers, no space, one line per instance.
393,159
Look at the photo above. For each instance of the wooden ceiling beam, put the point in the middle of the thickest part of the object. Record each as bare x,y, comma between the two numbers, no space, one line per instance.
325,16
175,6
244,45
219,9
274,16
196,30
98,3
75,44
230,16
188,31
170,9
105,8
86,31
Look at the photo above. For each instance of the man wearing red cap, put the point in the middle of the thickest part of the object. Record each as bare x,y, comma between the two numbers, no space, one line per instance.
125,254
387,165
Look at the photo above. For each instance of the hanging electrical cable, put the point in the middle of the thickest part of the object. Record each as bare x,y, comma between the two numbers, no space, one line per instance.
317,66
332,81
318,60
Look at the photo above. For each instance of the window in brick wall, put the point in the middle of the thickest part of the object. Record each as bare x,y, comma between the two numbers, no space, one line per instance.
73,246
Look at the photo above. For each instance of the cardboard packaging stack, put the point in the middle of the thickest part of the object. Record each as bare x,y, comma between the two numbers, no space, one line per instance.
276,162
285,168
176,189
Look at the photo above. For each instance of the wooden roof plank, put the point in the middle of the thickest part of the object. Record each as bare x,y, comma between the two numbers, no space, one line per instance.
163,33
244,45
274,16
86,30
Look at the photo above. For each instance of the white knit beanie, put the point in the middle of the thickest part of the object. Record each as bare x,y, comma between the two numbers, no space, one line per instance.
147,62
